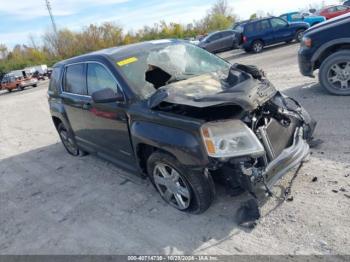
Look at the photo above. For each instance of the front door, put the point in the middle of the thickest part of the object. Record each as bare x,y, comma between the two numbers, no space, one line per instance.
281,30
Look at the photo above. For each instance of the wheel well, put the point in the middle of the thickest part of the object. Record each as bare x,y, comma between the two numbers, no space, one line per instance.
143,152
329,51
56,121
260,40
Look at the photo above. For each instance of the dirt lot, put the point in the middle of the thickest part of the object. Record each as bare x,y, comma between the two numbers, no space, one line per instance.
51,203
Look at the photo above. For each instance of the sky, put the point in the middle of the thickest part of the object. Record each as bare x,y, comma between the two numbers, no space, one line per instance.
21,19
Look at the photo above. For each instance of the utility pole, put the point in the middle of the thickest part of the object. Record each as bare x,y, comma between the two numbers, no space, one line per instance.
48,5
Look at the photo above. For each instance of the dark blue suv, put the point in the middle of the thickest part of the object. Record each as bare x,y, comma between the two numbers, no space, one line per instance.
255,34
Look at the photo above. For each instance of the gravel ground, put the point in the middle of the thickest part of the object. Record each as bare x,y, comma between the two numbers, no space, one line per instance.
52,203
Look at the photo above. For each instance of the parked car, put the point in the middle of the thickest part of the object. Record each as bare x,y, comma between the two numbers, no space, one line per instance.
219,41
347,3
300,17
327,47
179,115
334,11
11,82
256,34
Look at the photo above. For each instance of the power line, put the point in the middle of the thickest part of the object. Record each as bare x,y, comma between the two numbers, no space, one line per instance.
48,5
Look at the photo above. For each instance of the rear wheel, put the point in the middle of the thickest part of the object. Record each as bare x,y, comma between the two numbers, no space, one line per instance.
180,188
299,35
334,73
67,140
257,46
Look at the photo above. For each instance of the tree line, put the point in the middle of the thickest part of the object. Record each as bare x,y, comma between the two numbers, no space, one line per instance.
67,43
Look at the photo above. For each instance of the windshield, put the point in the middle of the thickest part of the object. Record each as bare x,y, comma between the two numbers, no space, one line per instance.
152,69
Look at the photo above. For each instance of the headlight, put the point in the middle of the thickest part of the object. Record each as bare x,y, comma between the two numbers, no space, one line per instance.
230,139
307,41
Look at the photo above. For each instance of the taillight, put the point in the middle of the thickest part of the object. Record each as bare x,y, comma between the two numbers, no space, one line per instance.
245,39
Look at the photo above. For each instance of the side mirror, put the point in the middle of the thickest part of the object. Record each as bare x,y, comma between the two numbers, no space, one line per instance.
107,95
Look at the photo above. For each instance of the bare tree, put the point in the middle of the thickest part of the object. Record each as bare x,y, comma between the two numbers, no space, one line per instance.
221,7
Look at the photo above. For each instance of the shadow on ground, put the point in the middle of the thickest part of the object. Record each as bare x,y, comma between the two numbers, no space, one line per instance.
52,203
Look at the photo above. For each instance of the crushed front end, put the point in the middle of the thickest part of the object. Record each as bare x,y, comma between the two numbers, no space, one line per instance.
272,140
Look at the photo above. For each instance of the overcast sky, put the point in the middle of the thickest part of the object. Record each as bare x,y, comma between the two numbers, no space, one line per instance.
19,19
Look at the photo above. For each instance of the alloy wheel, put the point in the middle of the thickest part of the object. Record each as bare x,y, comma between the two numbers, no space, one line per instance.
339,76
68,142
257,47
171,186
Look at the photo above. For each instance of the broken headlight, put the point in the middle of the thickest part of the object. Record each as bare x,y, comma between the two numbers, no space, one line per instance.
230,139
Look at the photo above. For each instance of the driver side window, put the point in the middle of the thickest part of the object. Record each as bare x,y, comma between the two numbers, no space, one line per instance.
277,23
98,78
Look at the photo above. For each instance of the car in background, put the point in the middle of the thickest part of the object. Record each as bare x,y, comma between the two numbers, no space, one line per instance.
347,3
256,34
219,41
11,82
327,47
300,17
330,12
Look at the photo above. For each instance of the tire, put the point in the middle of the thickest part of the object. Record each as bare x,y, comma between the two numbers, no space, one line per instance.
9,90
21,88
197,189
257,46
35,85
299,35
332,81
68,140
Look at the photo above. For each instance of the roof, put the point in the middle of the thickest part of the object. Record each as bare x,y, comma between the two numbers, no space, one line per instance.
120,52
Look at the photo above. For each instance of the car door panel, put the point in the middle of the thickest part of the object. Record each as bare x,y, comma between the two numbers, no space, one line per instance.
281,30
108,122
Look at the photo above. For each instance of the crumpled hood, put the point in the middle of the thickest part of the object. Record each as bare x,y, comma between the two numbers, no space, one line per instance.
214,89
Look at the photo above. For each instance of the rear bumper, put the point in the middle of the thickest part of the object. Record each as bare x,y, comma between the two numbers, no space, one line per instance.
288,159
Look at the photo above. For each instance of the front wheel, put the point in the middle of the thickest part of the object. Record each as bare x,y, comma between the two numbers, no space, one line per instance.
334,73
179,187
299,35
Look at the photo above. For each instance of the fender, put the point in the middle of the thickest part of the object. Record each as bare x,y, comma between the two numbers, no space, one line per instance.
324,47
186,146
57,110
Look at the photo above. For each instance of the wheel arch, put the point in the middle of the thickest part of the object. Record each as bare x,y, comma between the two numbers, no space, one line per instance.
182,145
328,49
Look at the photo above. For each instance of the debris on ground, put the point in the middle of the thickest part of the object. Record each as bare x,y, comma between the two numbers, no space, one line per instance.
248,213
314,179
290,199
335,191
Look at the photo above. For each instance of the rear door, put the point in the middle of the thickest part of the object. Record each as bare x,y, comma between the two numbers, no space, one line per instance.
213,42
263,28
281,30
75,98
227,39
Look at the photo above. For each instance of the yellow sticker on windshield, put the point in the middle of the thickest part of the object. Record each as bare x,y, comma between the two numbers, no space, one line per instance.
127,61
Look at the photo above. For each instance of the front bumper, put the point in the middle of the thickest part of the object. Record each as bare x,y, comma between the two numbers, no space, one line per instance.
306,66
288,159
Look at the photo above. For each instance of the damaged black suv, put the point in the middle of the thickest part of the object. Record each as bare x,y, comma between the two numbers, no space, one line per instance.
181,116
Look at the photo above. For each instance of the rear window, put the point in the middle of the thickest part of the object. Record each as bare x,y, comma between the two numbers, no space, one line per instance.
75,80
262,25
54,81
249,28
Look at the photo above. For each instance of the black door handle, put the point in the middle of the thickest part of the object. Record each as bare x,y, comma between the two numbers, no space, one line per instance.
87,106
